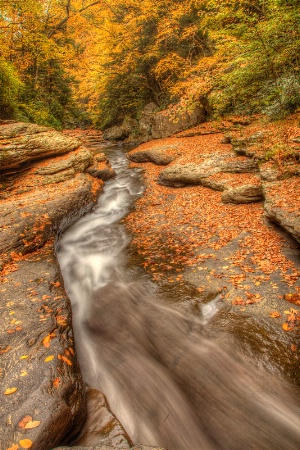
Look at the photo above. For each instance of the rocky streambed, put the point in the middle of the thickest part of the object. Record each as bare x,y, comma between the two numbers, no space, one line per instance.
45,186
215,260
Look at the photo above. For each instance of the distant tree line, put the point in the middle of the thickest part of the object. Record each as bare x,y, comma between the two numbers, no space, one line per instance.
74,62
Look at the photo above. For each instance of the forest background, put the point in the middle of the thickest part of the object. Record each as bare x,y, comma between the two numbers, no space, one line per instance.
69,63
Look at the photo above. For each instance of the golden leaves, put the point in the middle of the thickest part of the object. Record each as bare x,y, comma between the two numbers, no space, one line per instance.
292,319
5,350
10,391
275,314
56,382
25,443
65,359
32,424
61,320
24,421
13,447
293,298
49,358
47,339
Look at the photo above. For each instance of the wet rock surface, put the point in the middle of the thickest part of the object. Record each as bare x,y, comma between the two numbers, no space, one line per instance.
243,194
101,426
155,124
282,204
222,243
108,447
160,155
39,372
21,143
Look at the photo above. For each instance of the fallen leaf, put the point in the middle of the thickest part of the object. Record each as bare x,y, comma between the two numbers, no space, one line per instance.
32,424
23,373
286,327
24,421
10,391
25,443
14,447
24,357
293,348
46,341
56,382
66,360
49,358
5,350
275,314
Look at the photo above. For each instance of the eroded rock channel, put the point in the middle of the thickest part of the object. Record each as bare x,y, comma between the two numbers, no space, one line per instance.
169,381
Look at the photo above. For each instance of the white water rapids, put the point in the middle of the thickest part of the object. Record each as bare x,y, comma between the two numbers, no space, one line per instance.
167,383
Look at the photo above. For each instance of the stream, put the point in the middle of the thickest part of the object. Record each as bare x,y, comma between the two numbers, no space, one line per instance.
165,379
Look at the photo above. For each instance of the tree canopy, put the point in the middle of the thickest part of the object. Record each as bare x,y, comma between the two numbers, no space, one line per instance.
72,62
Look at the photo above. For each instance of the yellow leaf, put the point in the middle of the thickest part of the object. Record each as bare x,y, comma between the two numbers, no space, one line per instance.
24,357
25,443
32,424
275,314
286,327
23,373
10,391
46,341
49,358
287,312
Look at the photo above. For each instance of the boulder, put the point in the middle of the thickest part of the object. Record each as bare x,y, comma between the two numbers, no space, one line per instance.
192,173
173,120
243,194
120,133
180,175
79,161
160,155
282,204
115,133
18,147
100,157
239,165
249,146
145,122
103,174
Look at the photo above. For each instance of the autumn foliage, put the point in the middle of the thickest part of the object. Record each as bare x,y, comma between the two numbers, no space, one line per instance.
67,63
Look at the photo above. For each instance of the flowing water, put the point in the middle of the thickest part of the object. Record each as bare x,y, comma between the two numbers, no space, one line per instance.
166,381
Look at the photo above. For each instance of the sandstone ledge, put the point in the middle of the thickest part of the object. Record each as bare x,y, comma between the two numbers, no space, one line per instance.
37,354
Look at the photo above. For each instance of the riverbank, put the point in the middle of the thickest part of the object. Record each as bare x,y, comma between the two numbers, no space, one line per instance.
187,238
45,187
204,221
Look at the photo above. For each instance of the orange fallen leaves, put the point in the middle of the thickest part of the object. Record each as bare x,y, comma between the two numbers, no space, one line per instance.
13,447
293,298
56,382
10,391
5,350
26,443
24,421
61,320
49,358
275,314
32,424
47,339
65,359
